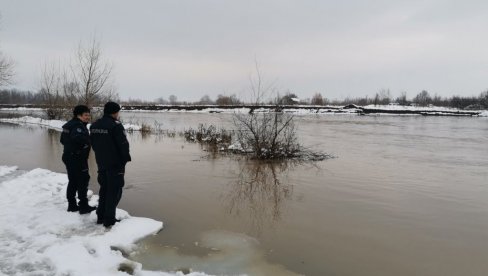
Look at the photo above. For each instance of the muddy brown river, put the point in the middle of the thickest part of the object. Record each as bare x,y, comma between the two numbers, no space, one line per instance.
406,195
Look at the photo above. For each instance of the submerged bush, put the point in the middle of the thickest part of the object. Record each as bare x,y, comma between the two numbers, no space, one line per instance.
145,128
267,135
264,137
208,135
58,113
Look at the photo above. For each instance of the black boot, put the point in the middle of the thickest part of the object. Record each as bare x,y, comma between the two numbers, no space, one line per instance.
73,207
101,220
109,223
86,209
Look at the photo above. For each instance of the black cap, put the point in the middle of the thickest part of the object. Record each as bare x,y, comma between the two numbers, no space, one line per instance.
80,109
111,108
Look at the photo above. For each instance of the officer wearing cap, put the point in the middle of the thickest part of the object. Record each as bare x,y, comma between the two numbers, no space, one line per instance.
111,149
76,141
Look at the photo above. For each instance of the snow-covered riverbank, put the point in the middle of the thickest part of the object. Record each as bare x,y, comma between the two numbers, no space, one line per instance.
53,124
38,236
313,110
294,109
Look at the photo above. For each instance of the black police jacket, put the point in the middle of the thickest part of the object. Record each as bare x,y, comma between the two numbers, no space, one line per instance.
75,138
110,144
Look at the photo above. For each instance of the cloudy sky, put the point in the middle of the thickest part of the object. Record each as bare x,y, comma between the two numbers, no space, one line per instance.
192,48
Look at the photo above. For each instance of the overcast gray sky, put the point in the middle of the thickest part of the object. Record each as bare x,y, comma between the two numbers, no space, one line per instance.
191,48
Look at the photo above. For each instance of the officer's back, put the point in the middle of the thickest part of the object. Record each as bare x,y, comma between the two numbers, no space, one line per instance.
109,143
75,138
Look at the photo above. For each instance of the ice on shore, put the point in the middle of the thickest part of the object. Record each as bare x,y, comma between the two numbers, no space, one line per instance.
410,108
6,170
53,124
38,236
28,120
24,108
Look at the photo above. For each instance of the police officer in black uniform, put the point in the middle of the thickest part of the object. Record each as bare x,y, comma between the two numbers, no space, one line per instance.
76,141
111,148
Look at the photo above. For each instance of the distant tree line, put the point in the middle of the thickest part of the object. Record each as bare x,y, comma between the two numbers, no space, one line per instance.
383,97
205,100
14,96
424,98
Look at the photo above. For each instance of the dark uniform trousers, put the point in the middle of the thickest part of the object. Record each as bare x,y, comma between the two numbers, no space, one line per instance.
78,178
111,184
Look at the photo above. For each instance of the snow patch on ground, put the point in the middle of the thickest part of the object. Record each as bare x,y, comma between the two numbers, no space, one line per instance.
420,108
22,109
53,124
28,120
38,236
313,110
410,108
6,170
244,110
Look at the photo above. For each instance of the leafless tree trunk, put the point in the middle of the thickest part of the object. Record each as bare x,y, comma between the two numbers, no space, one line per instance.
92,74
53,88
259,89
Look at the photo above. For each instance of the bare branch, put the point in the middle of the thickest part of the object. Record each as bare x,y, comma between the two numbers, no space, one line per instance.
92,73
6,70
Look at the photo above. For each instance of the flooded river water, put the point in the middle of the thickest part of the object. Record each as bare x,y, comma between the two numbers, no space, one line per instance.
405,195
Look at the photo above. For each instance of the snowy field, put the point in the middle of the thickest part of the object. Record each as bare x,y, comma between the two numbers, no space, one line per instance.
38,236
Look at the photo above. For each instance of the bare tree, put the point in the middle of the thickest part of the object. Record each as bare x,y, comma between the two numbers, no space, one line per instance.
53,89
227,100
382,97
484,99
70,91
205,100
402,99
258,87
93,74
6,70
288,99
160,100
173,99
317,99
268,135
423,98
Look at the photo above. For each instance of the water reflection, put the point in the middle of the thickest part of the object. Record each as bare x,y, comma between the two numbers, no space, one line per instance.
260,192
148,136
54,137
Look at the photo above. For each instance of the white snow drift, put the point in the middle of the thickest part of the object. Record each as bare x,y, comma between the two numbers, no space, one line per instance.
53,124
38,236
